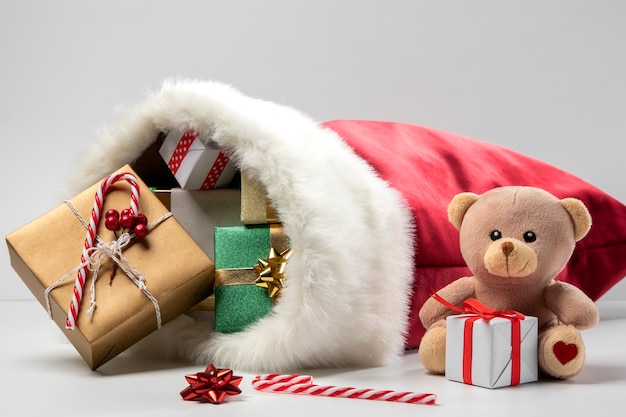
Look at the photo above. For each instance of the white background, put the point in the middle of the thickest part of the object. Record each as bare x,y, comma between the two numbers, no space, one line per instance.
547,78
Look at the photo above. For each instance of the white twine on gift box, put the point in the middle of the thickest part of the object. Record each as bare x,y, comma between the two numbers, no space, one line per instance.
101,252
92,230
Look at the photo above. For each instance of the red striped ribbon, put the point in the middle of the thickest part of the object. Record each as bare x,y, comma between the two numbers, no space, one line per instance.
181,150
215,171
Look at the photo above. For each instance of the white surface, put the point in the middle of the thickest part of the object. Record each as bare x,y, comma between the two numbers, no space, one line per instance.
43,375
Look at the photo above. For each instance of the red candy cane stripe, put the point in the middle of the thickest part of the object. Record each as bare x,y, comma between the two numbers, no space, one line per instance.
303,384
90,239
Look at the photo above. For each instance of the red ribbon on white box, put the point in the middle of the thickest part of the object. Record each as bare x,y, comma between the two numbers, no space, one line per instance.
480,311
215,171
181,150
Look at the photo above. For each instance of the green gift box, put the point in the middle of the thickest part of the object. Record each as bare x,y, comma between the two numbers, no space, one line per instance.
239,302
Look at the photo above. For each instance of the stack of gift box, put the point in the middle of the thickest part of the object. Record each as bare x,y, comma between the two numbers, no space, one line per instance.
228,214
221,250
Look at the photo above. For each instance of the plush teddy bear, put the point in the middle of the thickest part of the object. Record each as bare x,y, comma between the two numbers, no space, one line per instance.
515,240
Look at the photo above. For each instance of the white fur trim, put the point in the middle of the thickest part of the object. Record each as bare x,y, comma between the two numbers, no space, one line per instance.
347,294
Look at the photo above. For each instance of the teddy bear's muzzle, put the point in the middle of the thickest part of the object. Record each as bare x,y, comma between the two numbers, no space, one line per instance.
510,258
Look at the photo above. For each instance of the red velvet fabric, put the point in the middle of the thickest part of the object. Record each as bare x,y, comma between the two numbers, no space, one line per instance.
429,167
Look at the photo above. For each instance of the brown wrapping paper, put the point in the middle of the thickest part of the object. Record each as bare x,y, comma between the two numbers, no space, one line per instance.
177,272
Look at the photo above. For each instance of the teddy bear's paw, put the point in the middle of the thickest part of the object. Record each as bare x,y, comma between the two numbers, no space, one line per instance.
561,352
432,350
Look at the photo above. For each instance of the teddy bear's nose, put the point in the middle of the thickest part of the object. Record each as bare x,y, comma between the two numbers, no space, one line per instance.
507,247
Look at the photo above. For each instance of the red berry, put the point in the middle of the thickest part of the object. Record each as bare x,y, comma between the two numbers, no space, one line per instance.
112,223
127,221
112,213
128,212
141,230
141,219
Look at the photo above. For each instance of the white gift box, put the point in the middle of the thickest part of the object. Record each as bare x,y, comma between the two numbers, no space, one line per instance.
488,359
196,166
200,212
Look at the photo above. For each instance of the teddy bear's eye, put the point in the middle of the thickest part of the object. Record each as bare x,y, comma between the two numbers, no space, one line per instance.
530,236
495,235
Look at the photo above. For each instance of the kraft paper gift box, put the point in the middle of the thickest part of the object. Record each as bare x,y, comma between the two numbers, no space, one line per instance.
483,352
196,166
178,274
255,206
239,302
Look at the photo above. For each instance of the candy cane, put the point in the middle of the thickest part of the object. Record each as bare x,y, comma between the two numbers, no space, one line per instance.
90,239
303,384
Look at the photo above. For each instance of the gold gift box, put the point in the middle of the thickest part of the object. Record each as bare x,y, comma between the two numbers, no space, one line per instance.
177,272
255,207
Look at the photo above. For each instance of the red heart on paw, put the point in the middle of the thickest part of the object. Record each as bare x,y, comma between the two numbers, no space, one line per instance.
565,352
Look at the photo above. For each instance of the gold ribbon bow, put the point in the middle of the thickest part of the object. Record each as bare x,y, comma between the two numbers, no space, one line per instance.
271,271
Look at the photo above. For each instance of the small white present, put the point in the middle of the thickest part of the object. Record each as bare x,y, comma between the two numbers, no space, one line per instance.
491,352
196,166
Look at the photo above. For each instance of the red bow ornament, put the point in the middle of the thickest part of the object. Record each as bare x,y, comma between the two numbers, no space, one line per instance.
213,385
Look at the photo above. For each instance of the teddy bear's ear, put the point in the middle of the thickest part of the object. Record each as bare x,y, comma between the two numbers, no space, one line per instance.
580,216
458,207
